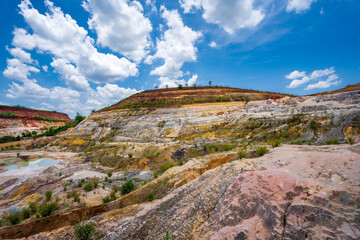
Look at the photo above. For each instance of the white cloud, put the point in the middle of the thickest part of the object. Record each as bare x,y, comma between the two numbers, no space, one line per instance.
121,26
111,93
70,73
190,5
296,74
175,47
298,82
213,44
322,73
299,6
231,15
330,81
58,34
18,70
32,91
192,80
45,68
21,55
300,78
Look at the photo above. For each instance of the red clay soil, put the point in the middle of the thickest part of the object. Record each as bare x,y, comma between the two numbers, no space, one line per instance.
200,94
348,88
29,113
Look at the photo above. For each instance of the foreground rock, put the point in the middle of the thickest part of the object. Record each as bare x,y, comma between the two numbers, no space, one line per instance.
292,193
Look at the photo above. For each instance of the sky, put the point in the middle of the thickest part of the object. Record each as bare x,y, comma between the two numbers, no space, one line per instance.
76,56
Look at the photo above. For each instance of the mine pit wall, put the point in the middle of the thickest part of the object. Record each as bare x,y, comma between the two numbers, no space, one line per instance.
338,117
173,178
16,126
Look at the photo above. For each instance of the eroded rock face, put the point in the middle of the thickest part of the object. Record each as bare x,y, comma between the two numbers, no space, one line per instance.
336,116
234,202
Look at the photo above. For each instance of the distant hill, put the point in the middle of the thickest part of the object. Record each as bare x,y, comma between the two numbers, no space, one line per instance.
17,120
348,88
168,97
23,112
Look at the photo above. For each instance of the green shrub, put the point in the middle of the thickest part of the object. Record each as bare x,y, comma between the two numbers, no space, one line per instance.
242,154
88,187
95,183
155,174
351,141
8,115
168,236
299,142
113,195
166,167
181,162
127,187
65,186
130,155
46,209
261,150
14,218
332,141
228,148
83,231
109,174
33,207
26,213
48,195
275,143
75,196
150,196
106,199
313,125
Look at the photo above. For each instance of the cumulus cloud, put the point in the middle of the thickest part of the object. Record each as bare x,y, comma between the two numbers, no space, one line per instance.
330,81
299,6
296,74
121,26
18,70
230,15
192,80
176,46
58,34
73,78
300,78
31,91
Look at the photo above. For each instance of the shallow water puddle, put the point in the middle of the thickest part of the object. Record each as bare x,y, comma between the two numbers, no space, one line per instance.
29,167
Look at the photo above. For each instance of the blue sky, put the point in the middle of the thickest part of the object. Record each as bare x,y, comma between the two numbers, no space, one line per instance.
78,55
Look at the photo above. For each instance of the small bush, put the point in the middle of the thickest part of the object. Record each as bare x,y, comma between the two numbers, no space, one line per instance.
83,231
48,195
130,155
242,154
88,187
26,213
95,183
33,207
228,148
166,167
150,196
109,174
113,195
261,150
106,199
75,196
65,186
46,209
181,162
14,218
155,174
298,142
351,141
127,187
275,143
332,141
